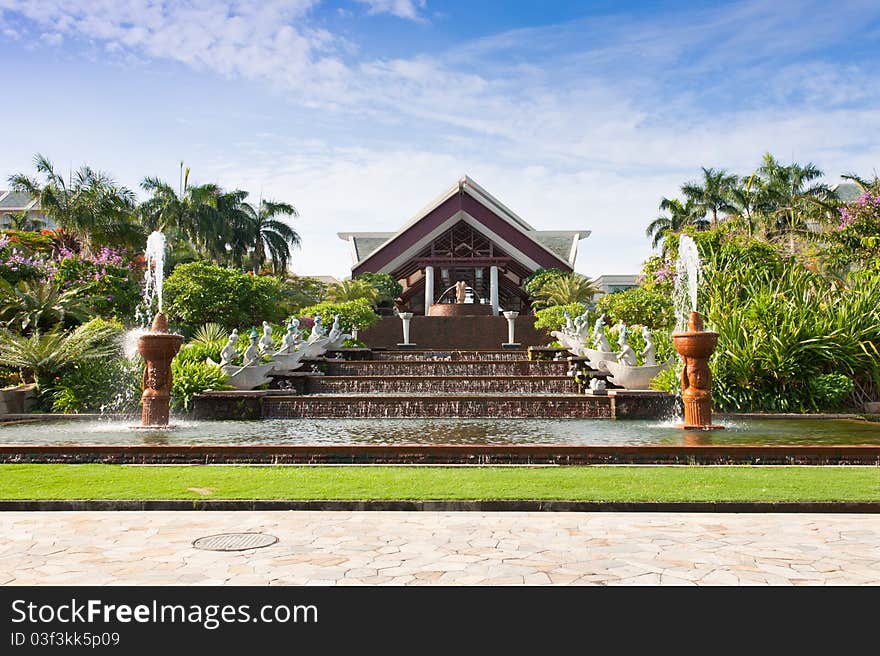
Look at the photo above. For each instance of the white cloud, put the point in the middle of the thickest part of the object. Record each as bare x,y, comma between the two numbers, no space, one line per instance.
579,125
408,9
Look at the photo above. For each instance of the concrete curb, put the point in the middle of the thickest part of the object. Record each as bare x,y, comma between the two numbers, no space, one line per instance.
515,505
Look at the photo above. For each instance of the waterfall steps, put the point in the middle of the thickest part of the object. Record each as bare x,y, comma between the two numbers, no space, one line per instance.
425,384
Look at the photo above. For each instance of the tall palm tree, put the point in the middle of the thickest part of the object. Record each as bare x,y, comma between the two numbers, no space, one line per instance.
259,233
794,199
89,206
189,212
678,216
712,194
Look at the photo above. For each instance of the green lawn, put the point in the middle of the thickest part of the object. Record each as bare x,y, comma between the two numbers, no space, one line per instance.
596,483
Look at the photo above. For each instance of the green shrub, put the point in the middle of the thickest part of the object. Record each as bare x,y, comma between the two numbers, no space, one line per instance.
42,357
638,306
532,285
352,314
191,378
553,317
98,386
110,290
198,293
829,391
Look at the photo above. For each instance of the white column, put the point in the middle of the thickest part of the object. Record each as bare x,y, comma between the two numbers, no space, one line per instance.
405,318
429,288
493,289
511,318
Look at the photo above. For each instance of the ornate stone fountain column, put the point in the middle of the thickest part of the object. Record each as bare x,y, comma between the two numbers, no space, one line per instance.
695,346
157,348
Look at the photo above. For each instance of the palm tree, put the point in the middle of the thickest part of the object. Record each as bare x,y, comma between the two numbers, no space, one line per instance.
352,290
678,216
90,206
564,290
258,233
24,222
190,212
794,200
712,194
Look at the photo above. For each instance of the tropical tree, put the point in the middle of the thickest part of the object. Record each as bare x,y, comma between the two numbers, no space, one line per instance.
711,195
794,200
258,234
565,290
32,305
190,212
677,217
24,221
89,206
352,290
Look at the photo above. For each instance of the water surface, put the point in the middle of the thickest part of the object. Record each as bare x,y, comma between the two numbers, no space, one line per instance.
444,431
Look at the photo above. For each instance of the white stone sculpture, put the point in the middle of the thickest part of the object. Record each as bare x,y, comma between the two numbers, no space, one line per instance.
648,357
626,355
598,385
316,346
229,354
623,368
289,356
251,374
336,338
575,333
601,351
266,344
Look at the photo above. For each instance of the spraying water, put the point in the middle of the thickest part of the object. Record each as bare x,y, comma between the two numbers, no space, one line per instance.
687,277
154,276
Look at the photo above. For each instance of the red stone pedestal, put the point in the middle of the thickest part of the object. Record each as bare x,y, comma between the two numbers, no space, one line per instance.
695,346
157,348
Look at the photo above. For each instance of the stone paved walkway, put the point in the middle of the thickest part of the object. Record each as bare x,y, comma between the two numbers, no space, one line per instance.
327,548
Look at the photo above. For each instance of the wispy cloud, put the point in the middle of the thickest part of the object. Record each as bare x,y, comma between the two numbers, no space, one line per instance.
409,9
585,123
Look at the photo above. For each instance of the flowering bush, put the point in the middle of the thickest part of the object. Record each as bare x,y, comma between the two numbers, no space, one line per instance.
856,241
104,277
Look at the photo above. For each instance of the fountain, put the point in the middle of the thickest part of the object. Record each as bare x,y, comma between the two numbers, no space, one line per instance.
157,347
695,345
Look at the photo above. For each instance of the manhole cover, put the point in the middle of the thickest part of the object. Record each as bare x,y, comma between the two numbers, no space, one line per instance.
235,541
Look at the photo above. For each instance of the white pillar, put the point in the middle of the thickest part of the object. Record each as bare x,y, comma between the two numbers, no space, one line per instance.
405,318
493,289
429,289
511,318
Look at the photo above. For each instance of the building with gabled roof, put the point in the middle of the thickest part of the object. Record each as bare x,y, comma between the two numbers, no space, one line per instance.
465,234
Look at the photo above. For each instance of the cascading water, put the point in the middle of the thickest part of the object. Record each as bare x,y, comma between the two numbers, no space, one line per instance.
154,276
687,277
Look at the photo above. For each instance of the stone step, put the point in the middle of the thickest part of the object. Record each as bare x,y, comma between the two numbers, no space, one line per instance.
450,355
445,368
568,406
442,385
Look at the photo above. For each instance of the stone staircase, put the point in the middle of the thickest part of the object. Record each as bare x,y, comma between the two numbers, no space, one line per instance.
420,384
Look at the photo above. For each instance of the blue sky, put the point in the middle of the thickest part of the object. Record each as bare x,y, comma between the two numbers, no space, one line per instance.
575,114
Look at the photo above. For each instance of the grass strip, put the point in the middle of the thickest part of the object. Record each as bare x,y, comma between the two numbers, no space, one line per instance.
595,483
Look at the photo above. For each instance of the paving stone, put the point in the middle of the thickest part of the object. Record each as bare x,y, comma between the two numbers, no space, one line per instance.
430,548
